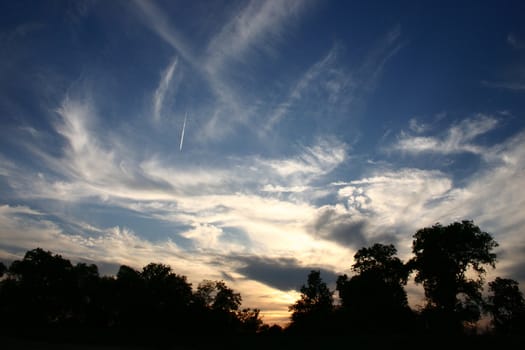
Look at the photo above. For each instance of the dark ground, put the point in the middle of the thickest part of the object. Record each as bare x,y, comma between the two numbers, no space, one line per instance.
280,342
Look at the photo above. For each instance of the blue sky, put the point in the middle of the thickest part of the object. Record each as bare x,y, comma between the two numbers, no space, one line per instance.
313,128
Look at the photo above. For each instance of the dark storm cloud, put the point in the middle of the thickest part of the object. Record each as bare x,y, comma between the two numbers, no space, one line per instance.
341,228
280,273
515,271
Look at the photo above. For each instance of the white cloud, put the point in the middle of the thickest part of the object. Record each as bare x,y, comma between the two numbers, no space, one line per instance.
417,127
211,199
159,23
23,228
337,86
378,57
313,162
188,178
7,210
160,93
257,26
401,201
86,158
324,77
278,189
254,29
256,205
458,139
397,198
290,174
205,235
93,162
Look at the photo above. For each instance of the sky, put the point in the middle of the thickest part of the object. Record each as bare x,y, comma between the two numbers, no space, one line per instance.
254,141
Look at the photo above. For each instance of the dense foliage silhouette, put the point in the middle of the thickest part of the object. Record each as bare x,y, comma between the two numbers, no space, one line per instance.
449,261
311,314
44,296
507,306
443,256
374,300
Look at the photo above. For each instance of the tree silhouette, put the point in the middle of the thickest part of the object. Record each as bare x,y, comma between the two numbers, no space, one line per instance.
167,297
85,308
217,296
45,296
226,299
218,306
374,299
312,311
443,255
131,300
3,269
205,294
250,321
44,288
507,306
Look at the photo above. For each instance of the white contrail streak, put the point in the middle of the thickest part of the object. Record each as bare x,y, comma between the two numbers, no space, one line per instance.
182,134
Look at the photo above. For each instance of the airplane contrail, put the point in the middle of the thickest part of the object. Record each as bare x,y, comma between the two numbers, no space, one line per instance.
182,134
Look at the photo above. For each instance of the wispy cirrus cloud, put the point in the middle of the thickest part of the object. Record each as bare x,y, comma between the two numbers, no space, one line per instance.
506,85
340,87
256,28
24,228
162,89
418,127
457,139
515,41
324,77
313,161
375,61
92,161
210,199
155,19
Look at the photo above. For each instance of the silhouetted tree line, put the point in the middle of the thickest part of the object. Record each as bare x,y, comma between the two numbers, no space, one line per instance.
45,295
449,261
